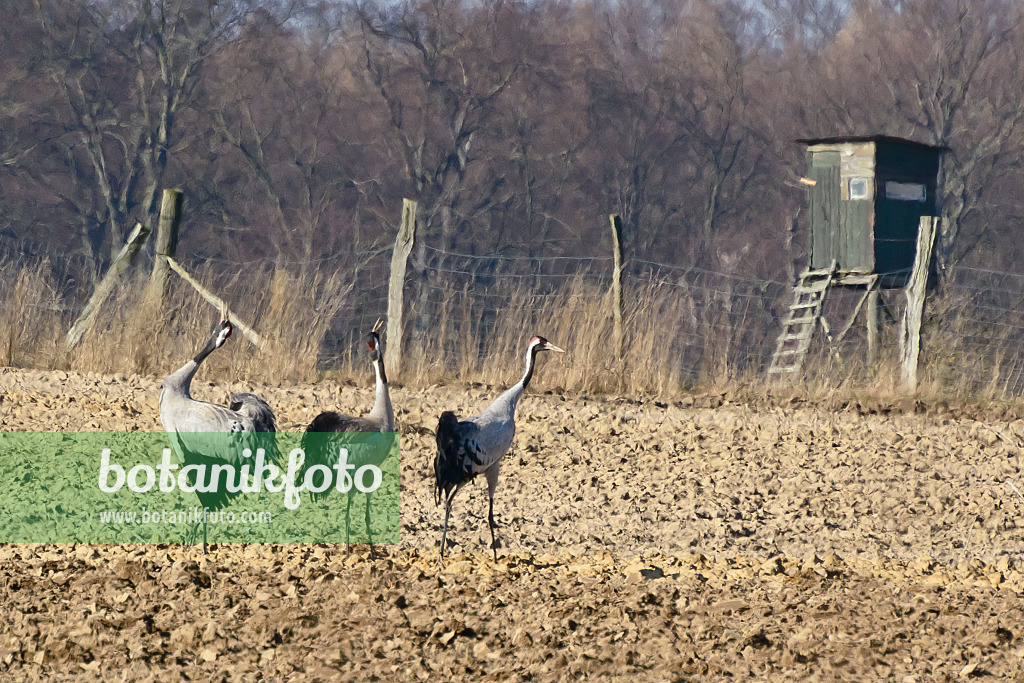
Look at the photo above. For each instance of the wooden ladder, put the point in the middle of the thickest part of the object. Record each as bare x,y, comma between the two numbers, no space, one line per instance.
804,315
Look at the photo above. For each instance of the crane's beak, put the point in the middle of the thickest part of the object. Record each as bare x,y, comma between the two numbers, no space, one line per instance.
548,346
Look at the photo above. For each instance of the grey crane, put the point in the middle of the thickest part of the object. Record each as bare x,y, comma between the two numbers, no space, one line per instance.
186,419
380,419
476,445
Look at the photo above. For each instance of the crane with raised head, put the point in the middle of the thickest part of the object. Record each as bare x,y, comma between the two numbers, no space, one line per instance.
380,419
185,420
476,445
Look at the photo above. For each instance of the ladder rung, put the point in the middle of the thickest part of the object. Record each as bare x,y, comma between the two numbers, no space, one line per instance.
801,344
803,319
798,329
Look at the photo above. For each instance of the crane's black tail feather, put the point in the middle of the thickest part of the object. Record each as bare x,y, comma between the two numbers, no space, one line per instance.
255,407
448,469
262,417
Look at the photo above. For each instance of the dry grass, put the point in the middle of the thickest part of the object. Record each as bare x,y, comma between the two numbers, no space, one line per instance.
677,338
293,311
32,315
486,342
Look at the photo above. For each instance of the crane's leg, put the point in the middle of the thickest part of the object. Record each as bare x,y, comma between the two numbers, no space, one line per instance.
447,513
492,483
444,531
369,536
192,536
348,533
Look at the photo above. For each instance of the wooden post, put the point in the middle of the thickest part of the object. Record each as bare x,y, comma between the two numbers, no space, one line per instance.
106,285
871,313
910,328
617,298
396,287
249,333
166,241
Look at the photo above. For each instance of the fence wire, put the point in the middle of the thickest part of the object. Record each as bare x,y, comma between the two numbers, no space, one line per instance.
462,308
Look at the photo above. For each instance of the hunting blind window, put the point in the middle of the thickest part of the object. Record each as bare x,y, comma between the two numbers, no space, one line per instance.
860,188
907,192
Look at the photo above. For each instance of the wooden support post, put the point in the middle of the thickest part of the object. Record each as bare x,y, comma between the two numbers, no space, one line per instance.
166,242
871,313
396,287
856,310
617,297
219,303
910,328
106,285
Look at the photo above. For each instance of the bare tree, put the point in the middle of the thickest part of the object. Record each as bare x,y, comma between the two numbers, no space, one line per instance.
516,126
288,123
124,71
439,67
947,72
802,25
673,121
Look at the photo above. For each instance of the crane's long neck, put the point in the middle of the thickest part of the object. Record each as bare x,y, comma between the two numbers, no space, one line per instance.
179,381
531,357
508,401
382,410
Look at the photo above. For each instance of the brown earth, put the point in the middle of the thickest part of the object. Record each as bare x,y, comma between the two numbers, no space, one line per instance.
642,540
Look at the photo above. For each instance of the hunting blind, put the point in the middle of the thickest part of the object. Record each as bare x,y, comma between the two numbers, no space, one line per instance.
866,197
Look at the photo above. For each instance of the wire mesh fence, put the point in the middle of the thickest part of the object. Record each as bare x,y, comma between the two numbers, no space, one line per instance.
974,336
469,314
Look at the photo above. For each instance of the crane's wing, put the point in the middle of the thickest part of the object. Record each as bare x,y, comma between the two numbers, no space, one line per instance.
202,451
321,448
199,416
330,421
491,439
206,434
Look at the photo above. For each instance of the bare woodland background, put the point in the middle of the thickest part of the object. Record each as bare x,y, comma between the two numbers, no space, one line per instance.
296,128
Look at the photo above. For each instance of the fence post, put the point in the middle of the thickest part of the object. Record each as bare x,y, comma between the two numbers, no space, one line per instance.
166,242
396,285
106,284
871,313
910,327
617,333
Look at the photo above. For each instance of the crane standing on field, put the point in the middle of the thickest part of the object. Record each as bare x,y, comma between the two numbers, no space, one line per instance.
182,416
477,444
373,451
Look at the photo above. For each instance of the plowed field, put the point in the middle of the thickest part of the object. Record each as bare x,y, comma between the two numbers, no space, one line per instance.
645,541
